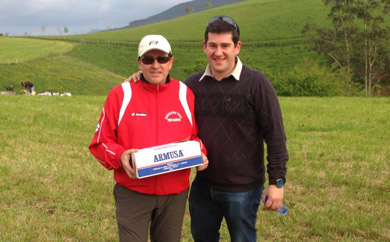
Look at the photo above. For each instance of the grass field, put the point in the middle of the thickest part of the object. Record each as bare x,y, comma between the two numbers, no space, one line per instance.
338,183
52,189
19,50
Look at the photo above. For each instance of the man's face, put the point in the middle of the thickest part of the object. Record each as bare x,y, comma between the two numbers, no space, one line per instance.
155,73
221,53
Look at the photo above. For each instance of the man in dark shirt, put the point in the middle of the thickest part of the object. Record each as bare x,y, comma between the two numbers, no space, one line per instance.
237,109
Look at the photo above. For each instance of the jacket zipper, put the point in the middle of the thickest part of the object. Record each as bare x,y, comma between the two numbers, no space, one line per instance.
157,115
157,111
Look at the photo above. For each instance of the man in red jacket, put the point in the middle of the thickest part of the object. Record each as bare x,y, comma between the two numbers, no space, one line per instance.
154,111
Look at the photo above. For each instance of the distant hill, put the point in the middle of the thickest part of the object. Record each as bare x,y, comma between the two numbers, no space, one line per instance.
180,10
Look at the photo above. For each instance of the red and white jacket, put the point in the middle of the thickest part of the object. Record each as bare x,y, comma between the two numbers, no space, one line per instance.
140,115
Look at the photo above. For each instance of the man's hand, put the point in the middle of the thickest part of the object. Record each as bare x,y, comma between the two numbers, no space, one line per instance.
205,163
134,77
275,198
125,159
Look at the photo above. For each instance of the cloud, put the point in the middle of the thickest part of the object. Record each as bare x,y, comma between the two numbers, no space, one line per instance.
80,16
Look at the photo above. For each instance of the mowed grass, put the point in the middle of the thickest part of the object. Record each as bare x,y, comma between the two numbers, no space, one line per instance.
18,50
338,183
60,74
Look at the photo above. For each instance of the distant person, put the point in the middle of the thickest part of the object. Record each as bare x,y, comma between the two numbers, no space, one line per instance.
135,116
28,87
237,109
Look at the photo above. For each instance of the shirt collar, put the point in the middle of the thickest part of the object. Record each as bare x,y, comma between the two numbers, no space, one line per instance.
236,72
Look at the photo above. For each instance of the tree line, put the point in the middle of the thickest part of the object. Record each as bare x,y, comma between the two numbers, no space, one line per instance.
358,41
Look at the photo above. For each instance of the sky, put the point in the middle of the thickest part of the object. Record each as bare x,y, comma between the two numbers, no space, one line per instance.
49,17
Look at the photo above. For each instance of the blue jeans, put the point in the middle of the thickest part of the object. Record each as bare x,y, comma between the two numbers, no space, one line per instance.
209,205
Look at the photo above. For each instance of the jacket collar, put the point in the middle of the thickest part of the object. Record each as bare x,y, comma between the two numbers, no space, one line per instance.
155,87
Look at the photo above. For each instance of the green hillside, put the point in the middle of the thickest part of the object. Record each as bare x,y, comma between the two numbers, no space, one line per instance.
259,20
271,35
189,58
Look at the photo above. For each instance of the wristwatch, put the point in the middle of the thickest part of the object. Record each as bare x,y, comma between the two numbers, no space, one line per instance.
280,183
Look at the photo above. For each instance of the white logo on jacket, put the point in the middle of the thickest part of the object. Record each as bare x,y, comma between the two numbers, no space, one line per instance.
139,114
173,116
97,128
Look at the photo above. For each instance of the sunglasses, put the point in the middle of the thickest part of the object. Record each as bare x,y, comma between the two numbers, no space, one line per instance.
227,19
148,60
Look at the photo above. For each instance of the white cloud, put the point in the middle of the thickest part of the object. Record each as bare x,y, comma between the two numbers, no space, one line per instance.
80,16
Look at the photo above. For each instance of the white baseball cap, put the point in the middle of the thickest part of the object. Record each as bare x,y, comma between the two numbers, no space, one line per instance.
153,42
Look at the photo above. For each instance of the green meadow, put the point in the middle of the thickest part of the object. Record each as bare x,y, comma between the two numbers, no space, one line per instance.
52,189
338,183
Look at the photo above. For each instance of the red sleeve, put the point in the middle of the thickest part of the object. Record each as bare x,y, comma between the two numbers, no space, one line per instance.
104,144
194,132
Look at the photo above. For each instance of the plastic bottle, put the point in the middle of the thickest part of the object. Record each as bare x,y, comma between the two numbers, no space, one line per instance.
282,210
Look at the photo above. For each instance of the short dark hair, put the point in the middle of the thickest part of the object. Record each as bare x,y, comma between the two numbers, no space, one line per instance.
221,26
